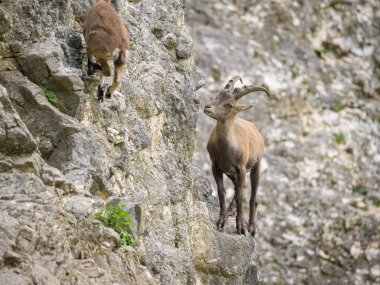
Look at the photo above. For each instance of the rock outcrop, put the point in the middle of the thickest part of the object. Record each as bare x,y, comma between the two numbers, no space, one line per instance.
319,217
64,157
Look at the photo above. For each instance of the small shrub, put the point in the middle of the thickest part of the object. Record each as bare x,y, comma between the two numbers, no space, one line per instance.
354,204
367,233
376,202
50,96
295,73
116,218
361,190
340,138
216,74
177,240
320,51
337,107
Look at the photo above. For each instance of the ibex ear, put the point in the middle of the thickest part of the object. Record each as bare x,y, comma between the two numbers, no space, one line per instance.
241,108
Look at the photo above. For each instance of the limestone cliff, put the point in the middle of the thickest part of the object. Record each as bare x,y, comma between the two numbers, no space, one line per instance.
61,161
319,195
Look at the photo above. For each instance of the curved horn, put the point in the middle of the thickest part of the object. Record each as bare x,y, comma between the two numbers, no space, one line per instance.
246,89
232,82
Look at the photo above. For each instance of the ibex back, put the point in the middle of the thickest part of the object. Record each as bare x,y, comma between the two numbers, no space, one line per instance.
106,39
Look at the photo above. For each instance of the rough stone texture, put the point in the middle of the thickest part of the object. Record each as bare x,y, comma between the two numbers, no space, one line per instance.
43,63
15,138
60,163
319,217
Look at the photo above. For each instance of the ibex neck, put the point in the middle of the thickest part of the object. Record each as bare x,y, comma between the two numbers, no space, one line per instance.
224,128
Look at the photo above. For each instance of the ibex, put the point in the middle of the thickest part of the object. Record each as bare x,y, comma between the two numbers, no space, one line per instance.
106,39
235,147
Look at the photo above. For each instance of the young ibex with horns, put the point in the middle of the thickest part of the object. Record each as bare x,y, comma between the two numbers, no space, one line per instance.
106,39
235,147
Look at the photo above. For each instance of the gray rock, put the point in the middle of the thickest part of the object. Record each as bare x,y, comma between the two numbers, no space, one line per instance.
32,106
15,138
41,60
169,40
12,278
135,147
42,276
79,206
184,46
317,218
47,69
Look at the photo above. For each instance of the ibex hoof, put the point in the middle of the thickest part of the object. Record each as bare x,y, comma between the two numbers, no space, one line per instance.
241,231
222,222
108,95
252,229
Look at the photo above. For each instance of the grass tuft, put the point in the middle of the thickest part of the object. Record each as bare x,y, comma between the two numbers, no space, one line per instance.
116,218
320,51
361,190
337,107
50,96
339,138
177,240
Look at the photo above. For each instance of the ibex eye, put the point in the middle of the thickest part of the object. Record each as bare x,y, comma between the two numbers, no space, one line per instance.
228,105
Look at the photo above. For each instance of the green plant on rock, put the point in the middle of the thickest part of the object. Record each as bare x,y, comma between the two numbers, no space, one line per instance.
216,74
376,202
120,221
354,204
50,96
361,190
337,107
340,138
177,240
295,73
367,233
320,51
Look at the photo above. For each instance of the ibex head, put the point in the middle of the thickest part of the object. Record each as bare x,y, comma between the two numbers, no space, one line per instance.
226,103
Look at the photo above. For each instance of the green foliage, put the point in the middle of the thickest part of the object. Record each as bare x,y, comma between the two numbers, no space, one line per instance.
367,233
320,51
340,138
361,190
354,204
120,221
337,107
216,74
376,202
177,240
50,96
295,73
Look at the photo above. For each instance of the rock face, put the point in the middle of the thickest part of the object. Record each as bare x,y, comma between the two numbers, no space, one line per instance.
64,157
319,215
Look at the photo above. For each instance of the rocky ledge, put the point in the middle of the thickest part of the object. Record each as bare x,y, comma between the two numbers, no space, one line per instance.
64,156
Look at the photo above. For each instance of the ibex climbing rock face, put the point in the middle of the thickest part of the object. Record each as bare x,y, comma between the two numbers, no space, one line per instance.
235,147
106,39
